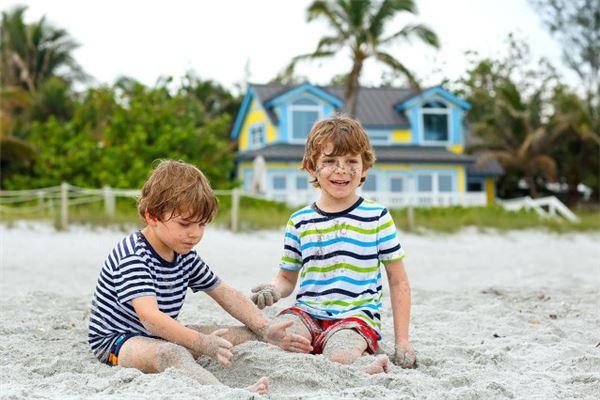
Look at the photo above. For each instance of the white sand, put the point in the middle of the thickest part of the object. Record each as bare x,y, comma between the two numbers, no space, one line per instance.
481,324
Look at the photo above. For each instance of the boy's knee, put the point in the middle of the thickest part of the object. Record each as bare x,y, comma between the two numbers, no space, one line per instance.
170,355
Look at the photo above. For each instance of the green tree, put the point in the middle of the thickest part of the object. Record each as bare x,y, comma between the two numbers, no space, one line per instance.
507,118
117,132
32,53
576,24
574,142
359,26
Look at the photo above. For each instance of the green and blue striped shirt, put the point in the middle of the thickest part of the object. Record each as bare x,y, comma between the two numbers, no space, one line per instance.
339,257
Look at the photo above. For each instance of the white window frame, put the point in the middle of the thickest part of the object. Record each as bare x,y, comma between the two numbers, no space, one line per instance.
374,177
404,183
301,107
298,176
435,181
251,142
279,175
435,111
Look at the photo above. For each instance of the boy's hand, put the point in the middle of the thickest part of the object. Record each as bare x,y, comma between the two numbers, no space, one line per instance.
217,347
277,335
265,295
405,355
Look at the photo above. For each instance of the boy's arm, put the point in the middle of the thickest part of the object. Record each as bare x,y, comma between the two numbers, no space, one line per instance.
163,326
242,309
280,287
404,354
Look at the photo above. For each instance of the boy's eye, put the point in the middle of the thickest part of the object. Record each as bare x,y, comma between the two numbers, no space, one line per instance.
353,161
328,162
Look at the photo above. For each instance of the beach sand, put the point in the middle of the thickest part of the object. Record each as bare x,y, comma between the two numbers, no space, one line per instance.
495,316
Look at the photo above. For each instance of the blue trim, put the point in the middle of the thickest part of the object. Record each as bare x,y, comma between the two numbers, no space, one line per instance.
392,127
283,126
456,125
336,102
437,90
239,119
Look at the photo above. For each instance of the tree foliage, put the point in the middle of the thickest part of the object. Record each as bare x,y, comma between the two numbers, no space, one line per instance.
117,132
576,25
359,26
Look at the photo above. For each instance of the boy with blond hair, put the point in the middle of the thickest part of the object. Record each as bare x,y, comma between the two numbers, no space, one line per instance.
336,248
143,283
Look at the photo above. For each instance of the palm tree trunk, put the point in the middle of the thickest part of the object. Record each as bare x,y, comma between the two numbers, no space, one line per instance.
352,88
532,186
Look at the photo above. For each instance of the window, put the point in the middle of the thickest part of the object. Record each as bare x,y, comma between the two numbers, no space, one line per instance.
301,183
435,122
435,182
475,186
425,183
445,183
370,184
397,184
304,113
279,182
257,135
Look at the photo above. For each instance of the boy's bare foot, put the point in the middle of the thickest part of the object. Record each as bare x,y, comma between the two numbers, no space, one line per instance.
260,387
380,365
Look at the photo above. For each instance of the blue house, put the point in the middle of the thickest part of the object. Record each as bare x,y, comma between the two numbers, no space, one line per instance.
418,138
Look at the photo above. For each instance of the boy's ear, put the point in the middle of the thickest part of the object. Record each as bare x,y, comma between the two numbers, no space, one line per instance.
151,220
308,168
364,172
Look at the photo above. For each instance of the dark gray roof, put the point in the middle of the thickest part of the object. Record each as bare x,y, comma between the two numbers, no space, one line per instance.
375,105
485,166
384,154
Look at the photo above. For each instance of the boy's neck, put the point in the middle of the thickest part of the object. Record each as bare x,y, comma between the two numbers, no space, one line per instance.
159,247
333,205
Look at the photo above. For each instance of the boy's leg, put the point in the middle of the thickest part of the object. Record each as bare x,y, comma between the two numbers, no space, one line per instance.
346,345
153,355
235,334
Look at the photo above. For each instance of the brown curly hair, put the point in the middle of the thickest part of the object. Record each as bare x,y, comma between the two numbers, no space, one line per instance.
177,188
347,137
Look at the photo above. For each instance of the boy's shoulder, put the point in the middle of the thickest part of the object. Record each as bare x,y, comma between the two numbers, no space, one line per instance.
133,244
303,212
372,207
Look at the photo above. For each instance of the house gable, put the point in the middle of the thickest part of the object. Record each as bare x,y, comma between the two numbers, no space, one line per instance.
436,117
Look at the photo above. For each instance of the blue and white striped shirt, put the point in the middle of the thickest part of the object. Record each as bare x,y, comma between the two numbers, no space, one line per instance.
133,269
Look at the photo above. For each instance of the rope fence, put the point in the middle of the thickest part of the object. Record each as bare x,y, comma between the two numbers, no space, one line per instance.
19,202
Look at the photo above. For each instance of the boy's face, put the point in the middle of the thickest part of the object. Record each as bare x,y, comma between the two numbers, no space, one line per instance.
338,176
175,233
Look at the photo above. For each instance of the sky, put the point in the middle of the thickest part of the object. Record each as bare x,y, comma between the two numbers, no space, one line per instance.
233,41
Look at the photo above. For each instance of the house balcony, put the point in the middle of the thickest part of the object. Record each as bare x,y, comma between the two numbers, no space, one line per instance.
389,199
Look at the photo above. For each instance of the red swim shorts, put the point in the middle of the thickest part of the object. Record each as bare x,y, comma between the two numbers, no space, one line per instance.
322,329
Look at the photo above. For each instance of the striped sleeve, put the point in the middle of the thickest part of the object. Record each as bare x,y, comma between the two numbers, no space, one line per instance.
388,245
202,278
292,256
132,278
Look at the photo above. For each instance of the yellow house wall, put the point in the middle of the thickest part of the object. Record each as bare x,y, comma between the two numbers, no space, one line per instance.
402,136
256,115
490,190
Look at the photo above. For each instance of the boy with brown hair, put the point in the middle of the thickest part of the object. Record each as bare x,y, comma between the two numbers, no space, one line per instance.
336,247
143,283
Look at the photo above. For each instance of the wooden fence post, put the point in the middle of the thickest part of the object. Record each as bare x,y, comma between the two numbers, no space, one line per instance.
235,209
410,213
64,205
109,201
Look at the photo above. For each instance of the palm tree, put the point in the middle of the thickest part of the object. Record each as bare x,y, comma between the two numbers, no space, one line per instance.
575,142
32,53
513,134
359,26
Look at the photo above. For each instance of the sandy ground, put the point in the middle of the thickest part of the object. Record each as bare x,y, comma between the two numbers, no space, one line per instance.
495,316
